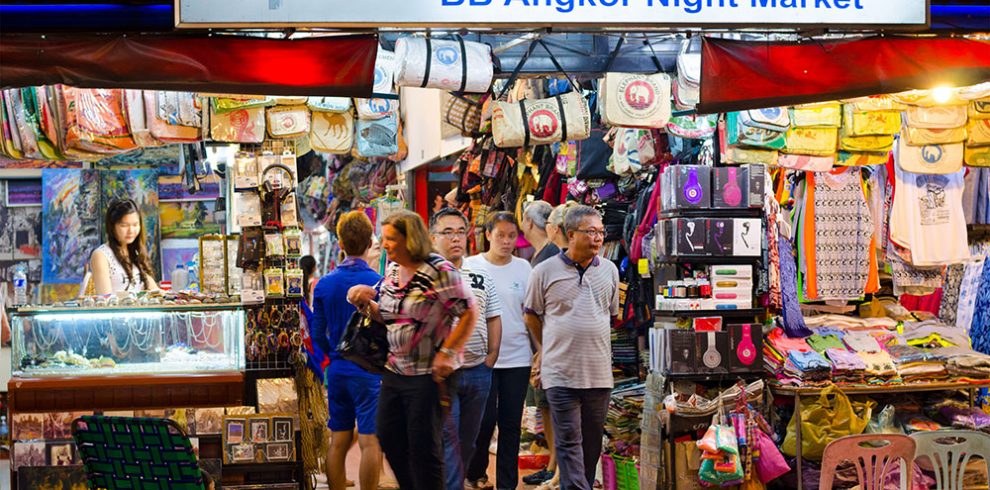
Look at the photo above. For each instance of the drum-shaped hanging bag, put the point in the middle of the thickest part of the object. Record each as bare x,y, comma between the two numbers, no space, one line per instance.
458,65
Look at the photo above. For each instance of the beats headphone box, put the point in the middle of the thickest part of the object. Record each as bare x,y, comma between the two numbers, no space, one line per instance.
746,348
720,237
681,351
687,187
731,189
685,236
713,352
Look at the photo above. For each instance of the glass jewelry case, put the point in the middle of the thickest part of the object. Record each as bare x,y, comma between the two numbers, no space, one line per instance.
127,340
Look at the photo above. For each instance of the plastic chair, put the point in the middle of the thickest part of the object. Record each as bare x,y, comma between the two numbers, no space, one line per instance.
136,452
949,452
874,456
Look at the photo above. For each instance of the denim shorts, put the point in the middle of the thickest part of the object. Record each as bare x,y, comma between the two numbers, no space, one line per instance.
350,399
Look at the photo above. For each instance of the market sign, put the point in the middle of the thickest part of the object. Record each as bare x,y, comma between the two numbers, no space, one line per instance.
535,13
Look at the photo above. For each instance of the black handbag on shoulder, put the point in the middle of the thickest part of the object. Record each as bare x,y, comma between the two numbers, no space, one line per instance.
365,343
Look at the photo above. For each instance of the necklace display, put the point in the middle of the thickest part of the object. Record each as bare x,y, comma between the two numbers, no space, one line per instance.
207,328
118,349
45,341
144,335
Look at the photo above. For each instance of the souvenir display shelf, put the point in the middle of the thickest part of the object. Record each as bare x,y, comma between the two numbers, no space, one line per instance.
798,391
127,357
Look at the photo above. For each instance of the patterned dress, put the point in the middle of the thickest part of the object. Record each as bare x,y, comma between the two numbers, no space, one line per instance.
843,231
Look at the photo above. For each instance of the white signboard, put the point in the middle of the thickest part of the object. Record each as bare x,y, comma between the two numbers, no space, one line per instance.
574,13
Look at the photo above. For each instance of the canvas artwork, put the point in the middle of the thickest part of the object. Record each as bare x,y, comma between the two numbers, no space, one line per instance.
70,225
23,192
142,187
25,232
58,425
177,251
29,454
52,478
6,162
61,454
28,426
188,219
157,157
174,188
208,420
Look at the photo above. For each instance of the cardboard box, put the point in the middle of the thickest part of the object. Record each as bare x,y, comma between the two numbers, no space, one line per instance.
720,237
682,351
756,174
686,236
747,347
723,272
688,187
712,351
747,237
731,188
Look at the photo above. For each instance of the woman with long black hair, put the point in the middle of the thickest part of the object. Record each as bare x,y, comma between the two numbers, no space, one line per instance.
122,264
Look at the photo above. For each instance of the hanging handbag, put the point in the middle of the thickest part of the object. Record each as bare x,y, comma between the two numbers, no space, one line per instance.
377,138
695,126
741,155
856,122
936,117
332,132
769,118
329,104
922,136
874,143
978,132
538,122
376,108
238,126
817,115
687,88
807,163
811,141
458,65
365,343
979,109
741,133
286,122
161,129
977,156
464,113
634,100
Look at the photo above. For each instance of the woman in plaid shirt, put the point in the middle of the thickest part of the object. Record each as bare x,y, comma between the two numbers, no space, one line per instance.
421,297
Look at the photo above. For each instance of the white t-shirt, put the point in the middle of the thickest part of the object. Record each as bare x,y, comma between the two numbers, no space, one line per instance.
927,217
511,281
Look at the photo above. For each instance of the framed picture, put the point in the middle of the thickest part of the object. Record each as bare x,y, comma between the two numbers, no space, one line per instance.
282,429
28,426
259,430
242,453
29,454
278,451
233,431
208,420
23,193
61,454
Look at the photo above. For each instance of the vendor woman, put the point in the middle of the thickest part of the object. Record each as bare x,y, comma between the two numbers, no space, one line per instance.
121,264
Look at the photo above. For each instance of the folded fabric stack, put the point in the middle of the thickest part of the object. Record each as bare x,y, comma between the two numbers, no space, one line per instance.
776,349
623,419
847,367
808,368
965,363
915,365
880,367
844,322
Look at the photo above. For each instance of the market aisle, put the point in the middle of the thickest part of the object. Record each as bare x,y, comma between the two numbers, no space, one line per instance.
354,461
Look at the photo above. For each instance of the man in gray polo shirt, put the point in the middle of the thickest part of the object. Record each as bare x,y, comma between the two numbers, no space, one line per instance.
571,302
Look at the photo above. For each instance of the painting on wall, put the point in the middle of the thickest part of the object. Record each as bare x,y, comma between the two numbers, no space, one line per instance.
70,223
26,192
188,219
6,162
159,157
52,478
142,187
175,188
176,251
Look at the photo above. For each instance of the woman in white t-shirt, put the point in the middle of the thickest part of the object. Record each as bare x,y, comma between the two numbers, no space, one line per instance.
122,264
510,377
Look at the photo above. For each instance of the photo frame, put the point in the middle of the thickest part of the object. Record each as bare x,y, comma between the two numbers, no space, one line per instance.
233,431
213,257
259,430
61,454
29,454
28,426
282,429
208,420
242,453
278,451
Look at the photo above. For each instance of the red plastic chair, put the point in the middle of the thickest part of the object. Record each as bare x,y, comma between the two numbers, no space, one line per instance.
874,456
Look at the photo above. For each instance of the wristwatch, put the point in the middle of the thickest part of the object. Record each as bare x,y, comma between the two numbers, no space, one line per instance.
450,352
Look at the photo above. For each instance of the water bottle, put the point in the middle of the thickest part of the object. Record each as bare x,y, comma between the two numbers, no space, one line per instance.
4,431
180,278
20,286
193,281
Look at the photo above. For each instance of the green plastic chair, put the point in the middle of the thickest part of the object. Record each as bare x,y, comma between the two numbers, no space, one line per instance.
949,452
125,453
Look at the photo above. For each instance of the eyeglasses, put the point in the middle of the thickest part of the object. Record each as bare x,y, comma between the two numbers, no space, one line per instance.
593,233
448,234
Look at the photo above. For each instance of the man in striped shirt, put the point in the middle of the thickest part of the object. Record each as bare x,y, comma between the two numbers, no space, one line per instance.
449,229
571,303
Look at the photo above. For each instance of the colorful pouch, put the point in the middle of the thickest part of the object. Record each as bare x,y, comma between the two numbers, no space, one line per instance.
811,141
286,122
822,114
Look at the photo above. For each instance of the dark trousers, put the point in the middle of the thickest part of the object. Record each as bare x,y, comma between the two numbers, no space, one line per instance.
505,407
578,417
410,430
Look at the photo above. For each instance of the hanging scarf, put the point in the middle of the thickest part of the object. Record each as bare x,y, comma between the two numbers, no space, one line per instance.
794,325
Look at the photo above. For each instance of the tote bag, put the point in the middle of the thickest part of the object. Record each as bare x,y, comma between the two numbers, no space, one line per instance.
459,65
565,117
634,100
332,132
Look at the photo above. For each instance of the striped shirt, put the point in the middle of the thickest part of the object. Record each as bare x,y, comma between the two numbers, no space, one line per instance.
420,313
483,288
576,306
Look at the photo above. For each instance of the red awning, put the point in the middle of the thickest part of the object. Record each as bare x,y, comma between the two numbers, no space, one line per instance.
329,66
739,75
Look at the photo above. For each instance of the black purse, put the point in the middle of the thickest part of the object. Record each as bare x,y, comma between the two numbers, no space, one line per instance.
365,343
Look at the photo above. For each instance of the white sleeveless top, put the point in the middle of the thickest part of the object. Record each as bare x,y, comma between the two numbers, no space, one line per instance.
119,280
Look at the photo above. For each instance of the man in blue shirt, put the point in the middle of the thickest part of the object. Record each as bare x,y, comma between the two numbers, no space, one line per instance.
351,391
